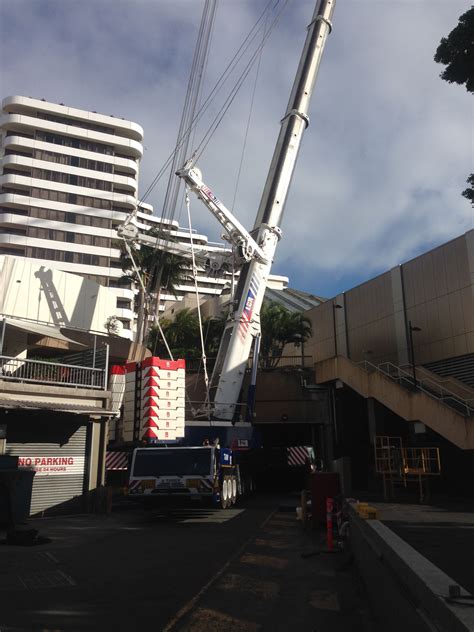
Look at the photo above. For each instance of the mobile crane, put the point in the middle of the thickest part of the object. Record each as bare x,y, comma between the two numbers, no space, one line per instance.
255,250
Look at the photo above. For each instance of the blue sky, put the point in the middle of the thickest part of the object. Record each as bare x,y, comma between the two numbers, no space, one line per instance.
383,163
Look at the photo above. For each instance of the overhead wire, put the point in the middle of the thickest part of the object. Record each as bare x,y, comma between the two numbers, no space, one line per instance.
189,109
232,65
230,98
217,87
247,128
233,93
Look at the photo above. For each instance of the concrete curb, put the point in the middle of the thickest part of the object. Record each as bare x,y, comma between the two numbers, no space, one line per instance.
406,590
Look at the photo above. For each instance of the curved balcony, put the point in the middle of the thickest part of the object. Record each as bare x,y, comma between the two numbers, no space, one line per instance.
21,143
27,182
19,162
21,122
20,104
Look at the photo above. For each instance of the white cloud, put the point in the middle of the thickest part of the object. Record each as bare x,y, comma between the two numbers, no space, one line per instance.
383,163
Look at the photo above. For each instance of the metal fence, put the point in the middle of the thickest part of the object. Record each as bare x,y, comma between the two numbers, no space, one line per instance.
53,373
426,385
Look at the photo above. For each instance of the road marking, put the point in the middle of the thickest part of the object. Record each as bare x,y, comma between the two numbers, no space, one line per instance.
207,620
190,516
43,579
427,525
264,560
272,544
192,602
324,600
260,588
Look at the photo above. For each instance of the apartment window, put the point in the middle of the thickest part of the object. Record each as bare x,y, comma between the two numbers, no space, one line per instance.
64,120
49,214
123,303
101,280
122,191
47,194
89,220
12,251
12,231
14,191
66,141
13,211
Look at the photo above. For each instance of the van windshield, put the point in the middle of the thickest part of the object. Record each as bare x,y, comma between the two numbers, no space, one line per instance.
174,462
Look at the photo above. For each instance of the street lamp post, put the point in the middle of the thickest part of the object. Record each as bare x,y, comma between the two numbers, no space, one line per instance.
334,307
411,329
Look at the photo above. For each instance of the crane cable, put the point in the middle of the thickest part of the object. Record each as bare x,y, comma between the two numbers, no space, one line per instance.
193,93
139,276
217,87
247,129
204,358
233,93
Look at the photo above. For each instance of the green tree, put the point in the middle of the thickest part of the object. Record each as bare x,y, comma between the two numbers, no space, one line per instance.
183,337
159,271
280,327
456,52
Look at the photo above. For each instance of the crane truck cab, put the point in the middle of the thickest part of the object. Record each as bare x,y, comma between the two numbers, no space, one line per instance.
184,473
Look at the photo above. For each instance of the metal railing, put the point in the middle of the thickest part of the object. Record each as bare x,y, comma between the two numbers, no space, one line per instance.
426,385
195,365
52,373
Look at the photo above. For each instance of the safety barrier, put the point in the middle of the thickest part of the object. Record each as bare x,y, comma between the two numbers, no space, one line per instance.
52,373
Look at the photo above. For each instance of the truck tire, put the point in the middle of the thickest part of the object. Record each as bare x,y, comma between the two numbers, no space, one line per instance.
225,493
233,484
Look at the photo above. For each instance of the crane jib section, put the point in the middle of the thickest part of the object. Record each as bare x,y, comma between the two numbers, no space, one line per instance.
243,324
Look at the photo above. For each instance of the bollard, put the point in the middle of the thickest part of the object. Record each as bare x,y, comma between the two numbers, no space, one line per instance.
329,510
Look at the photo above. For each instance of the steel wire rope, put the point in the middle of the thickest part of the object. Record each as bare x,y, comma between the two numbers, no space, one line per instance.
220,82
228,102
224,108
193,131
189,110
204,358
220,115
247,130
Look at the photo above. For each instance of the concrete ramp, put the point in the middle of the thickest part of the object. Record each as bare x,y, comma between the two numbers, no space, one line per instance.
456,427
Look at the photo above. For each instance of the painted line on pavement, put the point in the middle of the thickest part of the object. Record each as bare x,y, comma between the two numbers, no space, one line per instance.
192,602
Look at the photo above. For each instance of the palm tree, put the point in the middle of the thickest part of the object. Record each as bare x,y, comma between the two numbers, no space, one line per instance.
159,270
280,327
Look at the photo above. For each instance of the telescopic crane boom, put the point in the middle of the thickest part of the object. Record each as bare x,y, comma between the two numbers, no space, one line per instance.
258,248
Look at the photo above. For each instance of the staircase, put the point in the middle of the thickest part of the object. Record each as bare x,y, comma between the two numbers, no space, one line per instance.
437,407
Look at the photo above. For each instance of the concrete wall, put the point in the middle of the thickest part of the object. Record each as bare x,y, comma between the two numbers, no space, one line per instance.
406,591
434,291
31,291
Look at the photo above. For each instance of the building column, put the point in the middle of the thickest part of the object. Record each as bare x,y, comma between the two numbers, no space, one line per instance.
400,315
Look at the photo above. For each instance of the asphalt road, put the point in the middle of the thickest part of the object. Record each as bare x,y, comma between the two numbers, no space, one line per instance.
200,570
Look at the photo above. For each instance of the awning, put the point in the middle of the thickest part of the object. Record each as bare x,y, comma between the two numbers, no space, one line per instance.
72,408
39,329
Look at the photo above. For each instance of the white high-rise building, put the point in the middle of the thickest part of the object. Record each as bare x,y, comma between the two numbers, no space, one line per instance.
68,178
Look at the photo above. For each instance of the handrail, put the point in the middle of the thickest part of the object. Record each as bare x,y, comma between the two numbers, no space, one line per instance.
426,385
40,372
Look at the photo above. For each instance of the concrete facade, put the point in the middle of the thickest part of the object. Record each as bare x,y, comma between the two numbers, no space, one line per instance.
435,292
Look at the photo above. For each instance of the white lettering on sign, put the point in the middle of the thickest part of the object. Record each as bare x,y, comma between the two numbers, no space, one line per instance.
52,465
